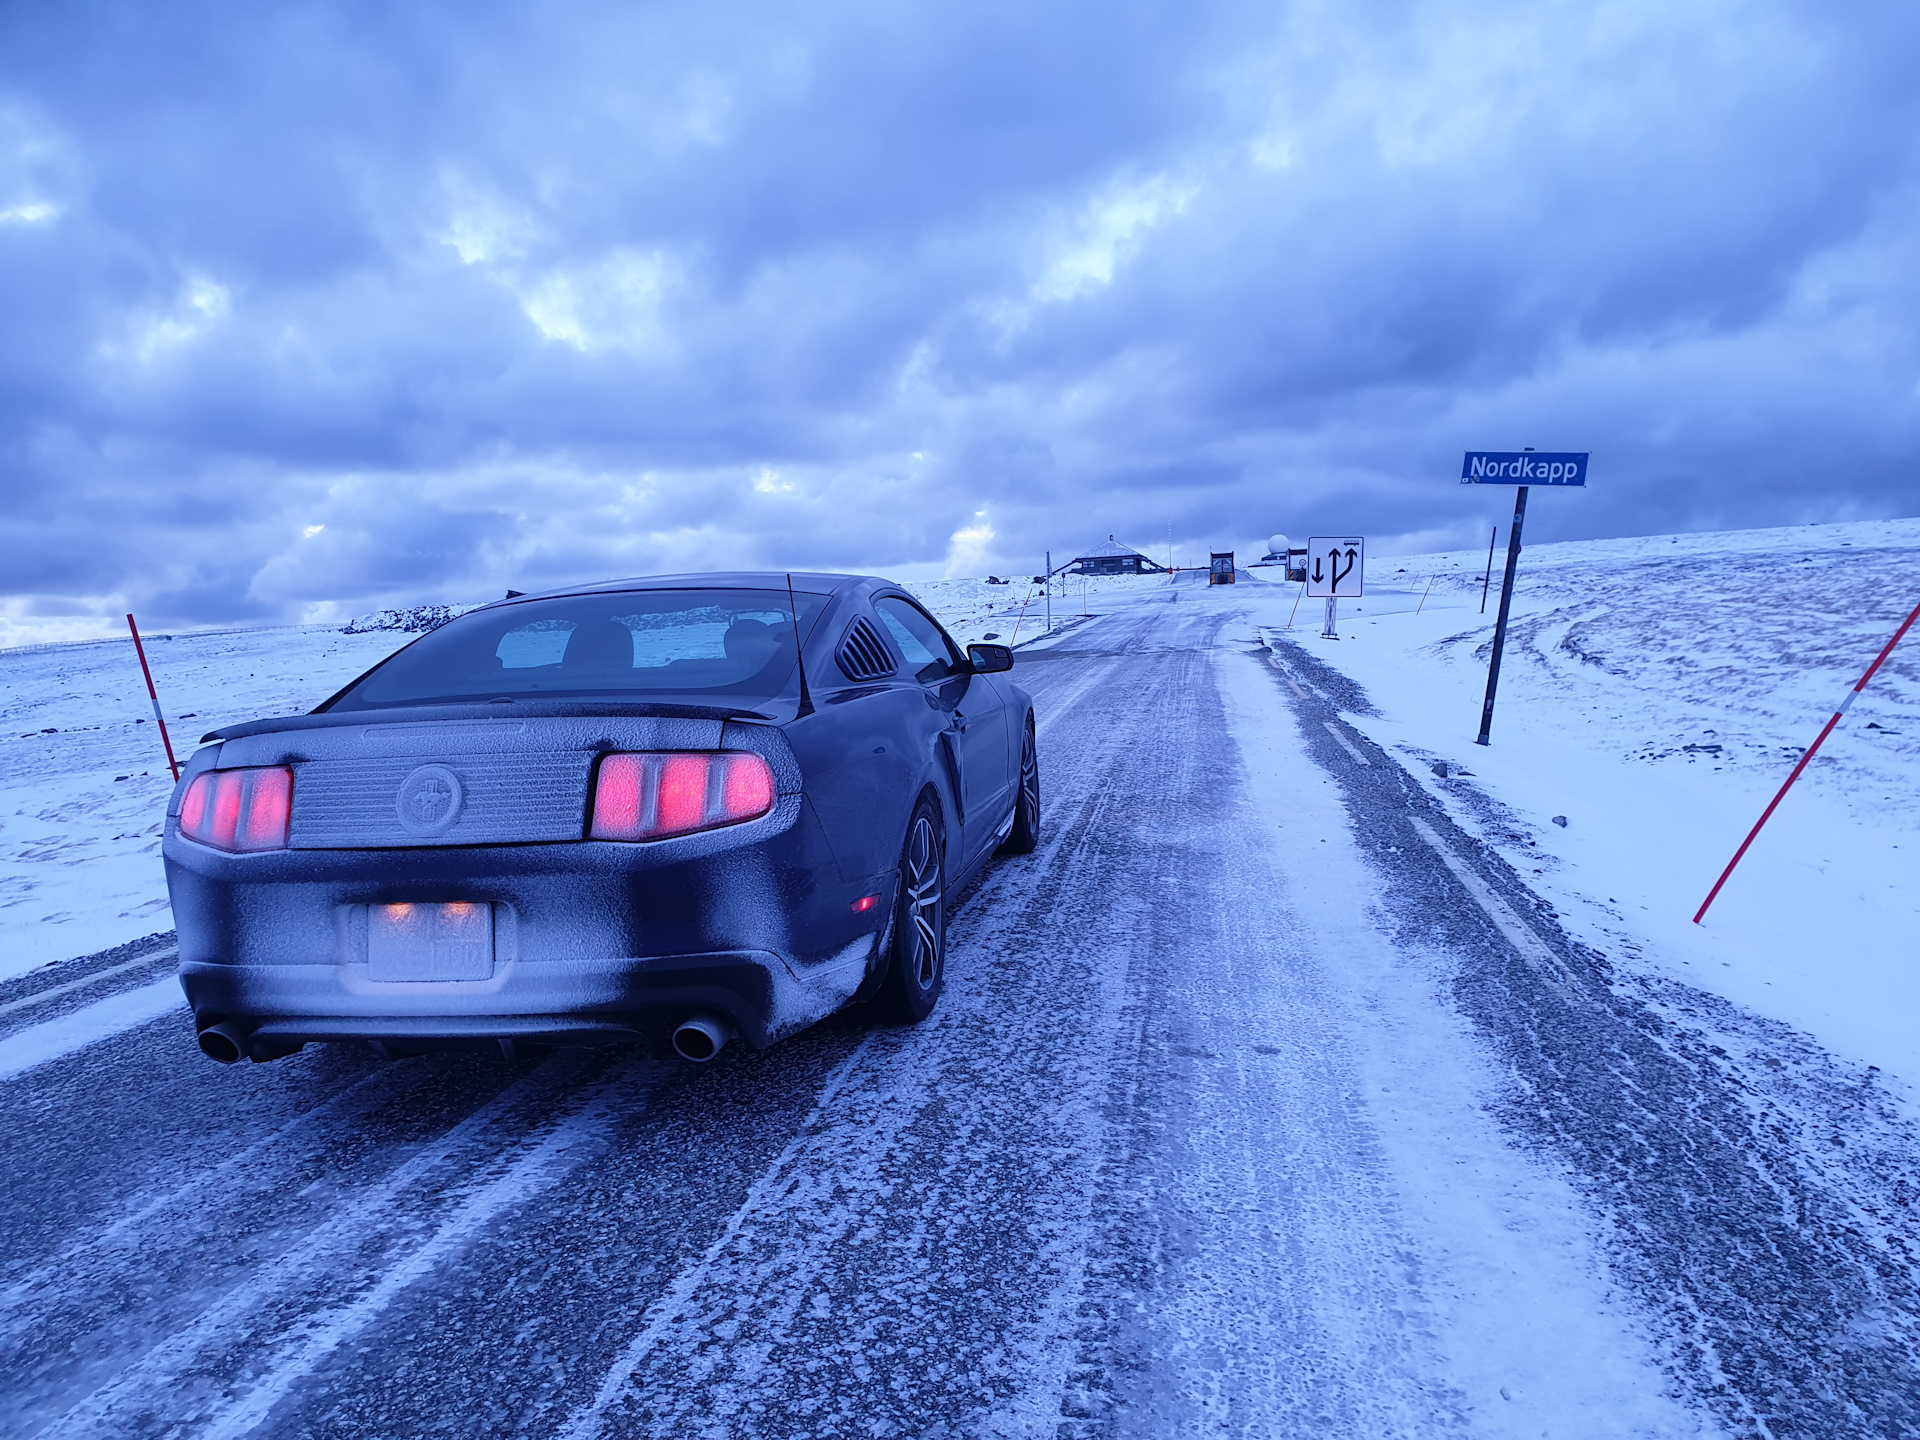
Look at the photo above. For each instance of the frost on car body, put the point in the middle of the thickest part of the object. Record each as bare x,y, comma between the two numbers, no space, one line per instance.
598,814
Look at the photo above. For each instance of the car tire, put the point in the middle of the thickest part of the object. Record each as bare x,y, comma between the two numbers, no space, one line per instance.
1025,834
917,966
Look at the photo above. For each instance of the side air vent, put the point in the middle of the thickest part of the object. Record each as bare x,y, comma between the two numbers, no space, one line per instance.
862,653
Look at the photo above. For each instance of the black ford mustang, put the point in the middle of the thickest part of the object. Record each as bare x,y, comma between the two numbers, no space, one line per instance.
678,809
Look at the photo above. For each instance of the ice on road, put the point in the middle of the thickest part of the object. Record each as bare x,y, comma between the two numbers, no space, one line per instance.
1234,1120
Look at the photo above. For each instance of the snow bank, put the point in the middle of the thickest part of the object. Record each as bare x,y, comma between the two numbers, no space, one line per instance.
414,620
1655,693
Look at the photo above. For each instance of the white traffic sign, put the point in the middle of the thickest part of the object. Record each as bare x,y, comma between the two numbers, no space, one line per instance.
1336,567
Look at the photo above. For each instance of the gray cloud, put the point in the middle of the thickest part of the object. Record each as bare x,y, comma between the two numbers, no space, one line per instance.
315,308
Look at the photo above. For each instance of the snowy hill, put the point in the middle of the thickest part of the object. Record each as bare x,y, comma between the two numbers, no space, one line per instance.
1726,643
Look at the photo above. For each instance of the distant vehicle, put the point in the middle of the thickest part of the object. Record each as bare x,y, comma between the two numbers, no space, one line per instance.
614,812
1220,568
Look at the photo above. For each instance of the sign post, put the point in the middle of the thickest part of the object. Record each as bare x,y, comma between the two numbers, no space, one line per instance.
1523,468
1336,567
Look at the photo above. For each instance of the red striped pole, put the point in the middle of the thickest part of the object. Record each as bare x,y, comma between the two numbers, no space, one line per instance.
1805,759
154,695
1022,616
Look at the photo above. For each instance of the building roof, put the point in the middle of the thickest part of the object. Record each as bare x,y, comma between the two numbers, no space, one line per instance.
1107,551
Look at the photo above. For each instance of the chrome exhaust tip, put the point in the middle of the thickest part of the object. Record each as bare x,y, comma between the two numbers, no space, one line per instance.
700,1038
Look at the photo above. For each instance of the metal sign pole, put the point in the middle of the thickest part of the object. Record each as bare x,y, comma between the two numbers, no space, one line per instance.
1338,566
1487,579
1049,592
1500,625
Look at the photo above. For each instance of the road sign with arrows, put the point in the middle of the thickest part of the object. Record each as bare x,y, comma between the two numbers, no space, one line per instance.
1336,567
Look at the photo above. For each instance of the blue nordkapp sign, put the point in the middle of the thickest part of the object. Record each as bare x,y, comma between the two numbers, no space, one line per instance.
1524,467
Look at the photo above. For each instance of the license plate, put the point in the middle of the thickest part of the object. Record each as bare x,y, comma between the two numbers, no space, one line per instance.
430,942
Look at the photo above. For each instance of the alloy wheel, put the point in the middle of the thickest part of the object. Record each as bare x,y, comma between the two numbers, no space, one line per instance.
923,902
1030,779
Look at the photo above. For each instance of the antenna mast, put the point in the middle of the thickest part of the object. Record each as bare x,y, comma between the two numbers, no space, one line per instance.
793,609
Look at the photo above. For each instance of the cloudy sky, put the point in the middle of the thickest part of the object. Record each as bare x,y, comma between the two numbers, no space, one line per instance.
312,308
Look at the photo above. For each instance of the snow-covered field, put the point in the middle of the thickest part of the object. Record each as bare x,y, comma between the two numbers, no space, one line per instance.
1655,692
83,778
1016,613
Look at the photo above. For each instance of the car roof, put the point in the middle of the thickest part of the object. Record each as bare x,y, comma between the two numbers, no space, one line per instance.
812,582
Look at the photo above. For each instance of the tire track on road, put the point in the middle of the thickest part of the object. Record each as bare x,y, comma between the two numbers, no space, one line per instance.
1784,1287
1248,1275
292,1310
125,1255
761,1285
35,1045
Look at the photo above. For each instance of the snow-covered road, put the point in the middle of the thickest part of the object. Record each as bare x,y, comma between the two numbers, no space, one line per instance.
1263,1101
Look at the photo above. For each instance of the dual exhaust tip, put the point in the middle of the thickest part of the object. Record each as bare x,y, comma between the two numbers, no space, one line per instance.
230,1043
698,1039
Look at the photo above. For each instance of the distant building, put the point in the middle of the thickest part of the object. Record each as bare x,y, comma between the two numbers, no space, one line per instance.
1112,558
1292,558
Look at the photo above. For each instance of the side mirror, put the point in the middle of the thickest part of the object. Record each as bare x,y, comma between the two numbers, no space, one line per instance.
990,659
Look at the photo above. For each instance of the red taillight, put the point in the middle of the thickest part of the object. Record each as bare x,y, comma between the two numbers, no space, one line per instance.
649,797
265,810
193,805
680,800
241,810
747,789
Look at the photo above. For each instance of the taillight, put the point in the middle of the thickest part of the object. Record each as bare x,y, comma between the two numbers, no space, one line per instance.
240,810
649,797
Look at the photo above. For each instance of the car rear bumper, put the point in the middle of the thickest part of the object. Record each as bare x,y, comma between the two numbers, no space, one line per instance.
589,1001
591,942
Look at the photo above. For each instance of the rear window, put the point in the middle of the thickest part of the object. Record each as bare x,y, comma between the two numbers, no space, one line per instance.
725,646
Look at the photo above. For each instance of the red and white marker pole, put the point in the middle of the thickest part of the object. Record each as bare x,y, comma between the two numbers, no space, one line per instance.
1806,759
154,695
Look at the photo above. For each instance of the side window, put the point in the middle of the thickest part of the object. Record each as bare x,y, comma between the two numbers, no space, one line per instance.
929,655
534,646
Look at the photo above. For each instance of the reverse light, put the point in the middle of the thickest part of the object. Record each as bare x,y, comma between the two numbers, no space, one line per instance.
239,810
653,796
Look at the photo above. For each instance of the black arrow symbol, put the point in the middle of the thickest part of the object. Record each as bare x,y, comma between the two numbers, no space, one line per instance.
1340,573
1316,570
1333,565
